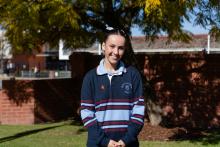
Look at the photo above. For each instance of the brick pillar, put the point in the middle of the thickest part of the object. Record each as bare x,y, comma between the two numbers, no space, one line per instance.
16,108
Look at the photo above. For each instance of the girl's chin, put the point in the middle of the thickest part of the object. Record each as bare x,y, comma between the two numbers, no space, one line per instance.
114,61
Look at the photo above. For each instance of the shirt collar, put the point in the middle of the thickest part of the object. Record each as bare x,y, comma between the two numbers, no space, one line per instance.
101,69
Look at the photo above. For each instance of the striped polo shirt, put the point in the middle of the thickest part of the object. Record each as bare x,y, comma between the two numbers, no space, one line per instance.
112,105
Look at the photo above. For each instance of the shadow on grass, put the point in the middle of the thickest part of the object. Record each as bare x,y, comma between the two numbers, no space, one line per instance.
78,122
81,130
26,133
212,138
205,137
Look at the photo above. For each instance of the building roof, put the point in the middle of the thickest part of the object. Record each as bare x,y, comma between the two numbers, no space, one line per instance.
161,44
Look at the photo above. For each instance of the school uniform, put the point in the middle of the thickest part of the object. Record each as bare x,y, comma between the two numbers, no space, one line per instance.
112,105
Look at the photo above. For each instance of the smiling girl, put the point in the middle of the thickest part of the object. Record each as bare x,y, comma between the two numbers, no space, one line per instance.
112,103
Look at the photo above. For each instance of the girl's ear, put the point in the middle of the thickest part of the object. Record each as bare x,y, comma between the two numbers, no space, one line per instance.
103,46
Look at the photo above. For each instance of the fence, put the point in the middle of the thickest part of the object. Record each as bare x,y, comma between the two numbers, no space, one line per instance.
44,74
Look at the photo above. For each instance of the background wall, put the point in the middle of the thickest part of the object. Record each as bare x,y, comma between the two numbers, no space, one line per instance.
186,86
37,101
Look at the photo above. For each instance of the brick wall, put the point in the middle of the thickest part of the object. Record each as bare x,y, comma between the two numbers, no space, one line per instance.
186,86
16,104
56,99
28,102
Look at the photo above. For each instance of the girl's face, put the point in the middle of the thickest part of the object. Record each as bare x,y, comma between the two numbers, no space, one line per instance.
114,48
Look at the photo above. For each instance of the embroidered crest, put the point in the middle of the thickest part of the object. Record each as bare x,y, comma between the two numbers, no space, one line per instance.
127,87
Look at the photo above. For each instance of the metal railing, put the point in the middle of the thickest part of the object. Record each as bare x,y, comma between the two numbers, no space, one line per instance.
44,74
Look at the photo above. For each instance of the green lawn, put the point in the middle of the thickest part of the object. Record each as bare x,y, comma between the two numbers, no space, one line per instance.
72,134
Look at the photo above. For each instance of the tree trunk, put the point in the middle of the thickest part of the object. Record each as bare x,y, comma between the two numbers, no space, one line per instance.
153,110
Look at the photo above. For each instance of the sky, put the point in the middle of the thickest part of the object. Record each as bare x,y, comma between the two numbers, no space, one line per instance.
187,26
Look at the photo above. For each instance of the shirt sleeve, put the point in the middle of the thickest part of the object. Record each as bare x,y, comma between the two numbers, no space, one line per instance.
137,116
95,133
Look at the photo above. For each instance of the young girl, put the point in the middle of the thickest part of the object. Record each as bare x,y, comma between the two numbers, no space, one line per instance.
112,103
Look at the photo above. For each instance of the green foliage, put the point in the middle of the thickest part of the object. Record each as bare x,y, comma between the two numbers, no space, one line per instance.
31,23
168,16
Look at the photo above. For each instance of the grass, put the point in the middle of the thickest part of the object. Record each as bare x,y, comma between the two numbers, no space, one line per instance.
72,134
63,134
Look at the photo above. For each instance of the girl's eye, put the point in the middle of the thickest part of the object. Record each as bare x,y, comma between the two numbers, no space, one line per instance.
112,46
121,48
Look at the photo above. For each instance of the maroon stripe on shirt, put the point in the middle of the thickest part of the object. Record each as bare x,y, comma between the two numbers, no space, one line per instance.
120,100
115,130
90,124
136,121
108,123
138,98
114,107
140,103
87,119
138,116
114,100
87,101
87,107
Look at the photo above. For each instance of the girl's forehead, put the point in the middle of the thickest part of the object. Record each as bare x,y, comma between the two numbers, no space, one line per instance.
115,37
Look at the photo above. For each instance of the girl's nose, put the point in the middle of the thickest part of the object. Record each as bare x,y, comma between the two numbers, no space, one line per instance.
115,51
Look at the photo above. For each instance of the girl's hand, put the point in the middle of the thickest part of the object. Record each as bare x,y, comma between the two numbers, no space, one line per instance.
121,144
112,143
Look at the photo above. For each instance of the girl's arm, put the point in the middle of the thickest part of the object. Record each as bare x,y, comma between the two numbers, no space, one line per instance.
95,133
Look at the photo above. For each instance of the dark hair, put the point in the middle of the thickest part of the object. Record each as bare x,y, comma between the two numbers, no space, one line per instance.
114,31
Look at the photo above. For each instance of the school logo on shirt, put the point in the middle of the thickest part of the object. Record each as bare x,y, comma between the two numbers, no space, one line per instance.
127,87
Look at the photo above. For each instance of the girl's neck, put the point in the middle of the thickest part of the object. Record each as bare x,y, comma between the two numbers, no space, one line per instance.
109,67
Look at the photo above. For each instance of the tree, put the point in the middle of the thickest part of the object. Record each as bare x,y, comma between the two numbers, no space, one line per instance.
4,50
31,23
